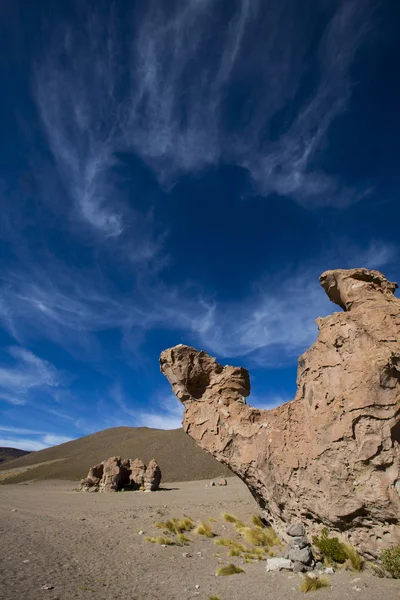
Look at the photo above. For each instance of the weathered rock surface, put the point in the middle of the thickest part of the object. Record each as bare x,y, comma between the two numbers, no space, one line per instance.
138,470
114,474
331,456
152,477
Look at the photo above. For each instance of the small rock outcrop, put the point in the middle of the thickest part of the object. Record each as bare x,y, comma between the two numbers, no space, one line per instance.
114,475
330,457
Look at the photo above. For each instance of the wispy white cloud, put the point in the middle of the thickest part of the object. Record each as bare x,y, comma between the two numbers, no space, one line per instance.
164,94
70,308
38,441
22,443
24,374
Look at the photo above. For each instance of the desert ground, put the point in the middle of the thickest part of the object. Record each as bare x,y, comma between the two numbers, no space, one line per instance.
88,546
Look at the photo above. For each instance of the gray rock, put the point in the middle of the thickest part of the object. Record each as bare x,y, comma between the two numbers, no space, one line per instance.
296,529
277,564
285,551
319,566
298,567
304,555
299,541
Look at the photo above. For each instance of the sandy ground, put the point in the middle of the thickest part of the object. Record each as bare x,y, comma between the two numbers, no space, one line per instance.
88,546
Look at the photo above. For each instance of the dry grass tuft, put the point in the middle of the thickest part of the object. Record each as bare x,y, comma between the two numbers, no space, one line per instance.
182,539
212,520
229,570
391,561
355,560
229,518
260,537
311,584
204,529
161,540
214,598
257,521
175,525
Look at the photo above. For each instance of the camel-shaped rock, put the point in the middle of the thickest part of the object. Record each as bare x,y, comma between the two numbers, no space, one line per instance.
330,457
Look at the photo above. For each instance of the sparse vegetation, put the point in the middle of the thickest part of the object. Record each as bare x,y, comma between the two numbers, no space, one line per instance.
260,537
311,584
330,548
391,561
212,520
229,570
175,525
214,598
161,540
182,539
229,518
355,561
204,529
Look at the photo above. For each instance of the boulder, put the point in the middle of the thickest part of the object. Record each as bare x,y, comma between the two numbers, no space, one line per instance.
115,475
330,457
277,564
92,481
137,475
152,477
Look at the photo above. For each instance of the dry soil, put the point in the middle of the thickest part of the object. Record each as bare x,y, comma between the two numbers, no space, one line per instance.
88,546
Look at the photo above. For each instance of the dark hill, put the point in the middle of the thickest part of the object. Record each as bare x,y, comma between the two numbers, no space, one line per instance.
178,455
11,453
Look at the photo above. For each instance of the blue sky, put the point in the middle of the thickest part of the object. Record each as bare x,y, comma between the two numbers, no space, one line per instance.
182,172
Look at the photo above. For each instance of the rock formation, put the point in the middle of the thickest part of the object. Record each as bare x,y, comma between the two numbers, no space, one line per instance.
152,477
331,456
114,474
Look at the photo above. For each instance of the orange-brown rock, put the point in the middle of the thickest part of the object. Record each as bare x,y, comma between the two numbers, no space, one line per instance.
137,473
331,456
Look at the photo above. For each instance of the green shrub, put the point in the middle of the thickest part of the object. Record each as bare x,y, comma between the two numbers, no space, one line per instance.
330,548
391,561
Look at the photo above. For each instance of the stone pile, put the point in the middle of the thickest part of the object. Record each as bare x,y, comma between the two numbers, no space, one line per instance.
298,550
330,457
115,474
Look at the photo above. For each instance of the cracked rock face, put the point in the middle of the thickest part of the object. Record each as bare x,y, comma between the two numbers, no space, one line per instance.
331,456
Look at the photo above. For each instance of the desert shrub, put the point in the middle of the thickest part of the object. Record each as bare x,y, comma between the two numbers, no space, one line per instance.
214,598
355,560
391,561
311,584
330,548
212,520
204,529
229,570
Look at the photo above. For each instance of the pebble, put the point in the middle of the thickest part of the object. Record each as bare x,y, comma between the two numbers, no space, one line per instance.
140,532
357,589
47,586
186,555
13,510
26,561
329,570
197,587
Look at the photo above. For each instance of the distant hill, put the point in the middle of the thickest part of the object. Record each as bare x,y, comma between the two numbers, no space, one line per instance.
10,453
178,455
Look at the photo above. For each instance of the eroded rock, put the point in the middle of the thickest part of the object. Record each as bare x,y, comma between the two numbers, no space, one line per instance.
331,456
152,477
114,475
